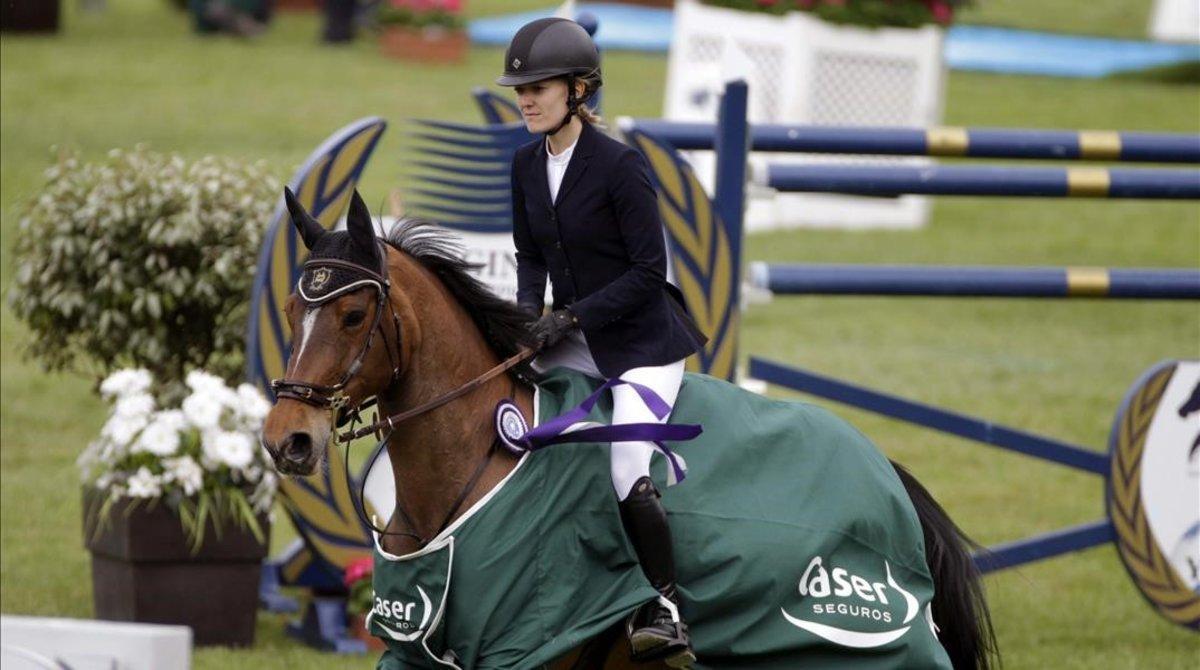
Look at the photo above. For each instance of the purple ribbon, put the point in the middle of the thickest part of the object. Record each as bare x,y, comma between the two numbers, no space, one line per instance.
555,431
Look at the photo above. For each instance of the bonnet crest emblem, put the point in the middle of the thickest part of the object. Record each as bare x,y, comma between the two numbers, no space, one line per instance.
319,278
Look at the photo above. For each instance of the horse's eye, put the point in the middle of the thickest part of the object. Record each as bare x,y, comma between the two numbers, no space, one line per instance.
354,318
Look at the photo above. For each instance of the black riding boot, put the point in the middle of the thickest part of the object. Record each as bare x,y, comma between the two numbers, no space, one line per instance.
655,630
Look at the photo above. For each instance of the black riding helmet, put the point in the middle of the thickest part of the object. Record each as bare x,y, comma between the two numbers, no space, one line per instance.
550,48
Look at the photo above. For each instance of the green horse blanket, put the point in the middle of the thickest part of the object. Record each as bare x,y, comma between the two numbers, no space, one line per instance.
795,542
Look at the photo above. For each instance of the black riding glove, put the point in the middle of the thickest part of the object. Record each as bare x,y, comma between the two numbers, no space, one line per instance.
533,311
552,328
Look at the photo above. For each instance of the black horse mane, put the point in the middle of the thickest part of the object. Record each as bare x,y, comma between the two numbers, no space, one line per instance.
504,326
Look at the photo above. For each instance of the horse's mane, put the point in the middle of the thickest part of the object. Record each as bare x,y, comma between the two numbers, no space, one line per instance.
504,326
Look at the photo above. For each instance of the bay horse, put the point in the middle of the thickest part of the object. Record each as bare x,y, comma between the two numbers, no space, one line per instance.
411,326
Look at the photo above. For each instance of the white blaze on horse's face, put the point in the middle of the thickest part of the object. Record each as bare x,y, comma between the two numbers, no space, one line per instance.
306,329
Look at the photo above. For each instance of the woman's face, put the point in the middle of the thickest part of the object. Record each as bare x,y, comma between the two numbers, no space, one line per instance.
543,104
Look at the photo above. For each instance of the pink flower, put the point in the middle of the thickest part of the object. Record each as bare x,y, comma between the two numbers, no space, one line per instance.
452,6
942,12
359,568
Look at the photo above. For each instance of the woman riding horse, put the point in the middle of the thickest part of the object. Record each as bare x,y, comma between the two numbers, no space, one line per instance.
585,213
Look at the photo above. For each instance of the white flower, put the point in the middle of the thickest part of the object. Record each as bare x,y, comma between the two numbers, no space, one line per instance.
264,493
202,410
252,406
173,418
186,472
200,381
125,382
136,405
144,484
160,438
229,448
120,430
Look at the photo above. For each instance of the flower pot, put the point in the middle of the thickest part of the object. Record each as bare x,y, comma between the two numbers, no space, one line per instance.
357,627
431,44
143,570
29,16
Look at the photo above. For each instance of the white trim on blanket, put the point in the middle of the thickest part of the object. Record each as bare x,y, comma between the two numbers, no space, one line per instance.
446,535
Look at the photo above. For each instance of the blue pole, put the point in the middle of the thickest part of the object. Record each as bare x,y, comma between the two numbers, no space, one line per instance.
929,416
989,181
989,282
731,148
1048,545
968,142
591,24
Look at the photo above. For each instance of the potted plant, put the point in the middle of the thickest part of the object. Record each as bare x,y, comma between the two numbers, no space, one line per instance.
175,507
140,260
423,30
358,580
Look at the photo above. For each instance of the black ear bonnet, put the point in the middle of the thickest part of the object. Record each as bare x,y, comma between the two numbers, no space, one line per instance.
324,279
338,261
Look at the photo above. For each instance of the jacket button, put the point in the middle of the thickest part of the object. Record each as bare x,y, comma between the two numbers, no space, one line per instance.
553,216
558,245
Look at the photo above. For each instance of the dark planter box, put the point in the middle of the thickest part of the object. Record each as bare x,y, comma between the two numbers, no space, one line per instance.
143,570
29,16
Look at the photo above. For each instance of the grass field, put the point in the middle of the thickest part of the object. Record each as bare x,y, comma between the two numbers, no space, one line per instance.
136,74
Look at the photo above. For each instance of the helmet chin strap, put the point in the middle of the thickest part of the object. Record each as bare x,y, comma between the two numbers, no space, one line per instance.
572,106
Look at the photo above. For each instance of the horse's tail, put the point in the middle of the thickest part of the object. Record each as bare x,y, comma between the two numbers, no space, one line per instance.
959,609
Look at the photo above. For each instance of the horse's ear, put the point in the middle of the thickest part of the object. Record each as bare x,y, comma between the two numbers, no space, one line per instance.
361,226
309,228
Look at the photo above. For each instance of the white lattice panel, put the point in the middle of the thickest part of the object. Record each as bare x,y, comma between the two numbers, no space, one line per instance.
802,70
1175,21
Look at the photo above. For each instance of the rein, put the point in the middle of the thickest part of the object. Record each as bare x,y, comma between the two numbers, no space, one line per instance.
391,421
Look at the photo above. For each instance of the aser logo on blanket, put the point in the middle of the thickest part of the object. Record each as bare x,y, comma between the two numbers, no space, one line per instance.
838,595
396,618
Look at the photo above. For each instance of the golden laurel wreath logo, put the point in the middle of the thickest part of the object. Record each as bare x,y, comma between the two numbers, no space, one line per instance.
702,256
1139,551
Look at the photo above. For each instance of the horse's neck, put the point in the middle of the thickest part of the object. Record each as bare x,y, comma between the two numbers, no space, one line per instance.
435,455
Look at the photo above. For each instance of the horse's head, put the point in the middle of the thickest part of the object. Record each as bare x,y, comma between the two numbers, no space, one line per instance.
346,339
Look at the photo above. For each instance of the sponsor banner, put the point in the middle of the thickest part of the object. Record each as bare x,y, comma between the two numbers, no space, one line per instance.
856,601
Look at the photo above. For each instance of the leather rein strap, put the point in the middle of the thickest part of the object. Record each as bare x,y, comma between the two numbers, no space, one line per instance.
391,421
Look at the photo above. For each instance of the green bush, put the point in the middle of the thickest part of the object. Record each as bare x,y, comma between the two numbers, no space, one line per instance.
868,13
142,260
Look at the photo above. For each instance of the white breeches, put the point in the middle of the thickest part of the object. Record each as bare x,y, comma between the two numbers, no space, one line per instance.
630,461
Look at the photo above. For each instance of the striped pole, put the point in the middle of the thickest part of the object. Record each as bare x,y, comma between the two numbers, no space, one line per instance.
890,181
977,282
1096,145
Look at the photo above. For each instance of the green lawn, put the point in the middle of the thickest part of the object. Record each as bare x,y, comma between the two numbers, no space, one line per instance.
136,74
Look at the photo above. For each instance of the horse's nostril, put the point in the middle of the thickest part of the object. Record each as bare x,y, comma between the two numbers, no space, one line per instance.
297,447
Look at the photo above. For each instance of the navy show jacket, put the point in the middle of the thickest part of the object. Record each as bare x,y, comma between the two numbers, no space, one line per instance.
601,243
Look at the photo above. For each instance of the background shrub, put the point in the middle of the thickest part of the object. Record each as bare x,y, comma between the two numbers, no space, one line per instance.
142,260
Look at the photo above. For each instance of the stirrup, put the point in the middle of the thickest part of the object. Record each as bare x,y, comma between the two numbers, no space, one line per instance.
666,642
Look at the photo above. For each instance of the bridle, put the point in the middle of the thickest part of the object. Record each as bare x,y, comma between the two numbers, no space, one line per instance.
335,398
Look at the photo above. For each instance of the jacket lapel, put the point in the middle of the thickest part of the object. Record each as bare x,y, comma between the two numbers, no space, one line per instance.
539,174
579,161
